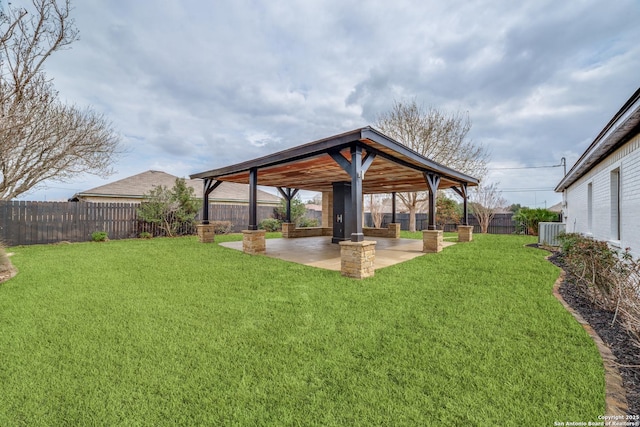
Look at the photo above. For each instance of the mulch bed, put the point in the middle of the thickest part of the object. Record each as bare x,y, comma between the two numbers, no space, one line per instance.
615,336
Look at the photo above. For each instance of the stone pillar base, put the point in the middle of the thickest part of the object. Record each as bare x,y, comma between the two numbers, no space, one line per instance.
206,233
357,259
287,230
465,233
394,230
432,241
253,242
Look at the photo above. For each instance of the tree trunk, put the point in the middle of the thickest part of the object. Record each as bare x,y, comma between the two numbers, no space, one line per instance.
412,218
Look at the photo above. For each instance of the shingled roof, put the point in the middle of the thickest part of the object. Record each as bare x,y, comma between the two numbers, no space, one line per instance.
136,186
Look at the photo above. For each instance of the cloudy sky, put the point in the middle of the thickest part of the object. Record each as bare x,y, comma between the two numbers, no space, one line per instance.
193,85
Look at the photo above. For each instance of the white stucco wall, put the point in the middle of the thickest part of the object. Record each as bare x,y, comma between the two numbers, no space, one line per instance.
627,160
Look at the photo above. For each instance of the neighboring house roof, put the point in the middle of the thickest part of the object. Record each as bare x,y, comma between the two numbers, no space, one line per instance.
622,127
313,207
136,186
556,208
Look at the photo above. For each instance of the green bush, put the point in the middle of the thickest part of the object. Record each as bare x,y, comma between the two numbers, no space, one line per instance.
270,224
221,227
528,219
172,210
568,240
298,210
99,236
307,222
146,235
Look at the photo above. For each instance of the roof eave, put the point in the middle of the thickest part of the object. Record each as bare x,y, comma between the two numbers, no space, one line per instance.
377,136
288,155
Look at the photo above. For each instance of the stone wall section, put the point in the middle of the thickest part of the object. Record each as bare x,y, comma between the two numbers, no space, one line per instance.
289,231
392,231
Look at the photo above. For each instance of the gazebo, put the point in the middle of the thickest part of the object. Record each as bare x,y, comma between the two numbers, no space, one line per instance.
343,167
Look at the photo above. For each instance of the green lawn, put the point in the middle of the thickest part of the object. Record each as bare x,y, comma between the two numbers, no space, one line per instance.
175,332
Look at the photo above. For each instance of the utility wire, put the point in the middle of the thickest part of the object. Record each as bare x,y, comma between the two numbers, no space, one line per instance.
525,190
527,167
563,163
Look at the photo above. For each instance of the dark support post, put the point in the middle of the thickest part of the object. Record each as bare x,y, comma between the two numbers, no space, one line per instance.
205,202
357,175
393,207
253,199
356,170
209,185
433,181
465,209
288,194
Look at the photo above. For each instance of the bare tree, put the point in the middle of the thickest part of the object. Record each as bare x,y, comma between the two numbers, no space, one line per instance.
40,137
486,200
437,136
375,204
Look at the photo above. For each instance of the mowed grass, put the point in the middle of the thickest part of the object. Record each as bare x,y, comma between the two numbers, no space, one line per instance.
175,332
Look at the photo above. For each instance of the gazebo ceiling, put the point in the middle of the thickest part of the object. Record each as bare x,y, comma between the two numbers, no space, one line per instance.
395,168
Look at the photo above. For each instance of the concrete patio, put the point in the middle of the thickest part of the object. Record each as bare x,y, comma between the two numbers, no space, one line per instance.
320,252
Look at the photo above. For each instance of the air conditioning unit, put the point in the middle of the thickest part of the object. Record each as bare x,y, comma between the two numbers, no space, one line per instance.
548,233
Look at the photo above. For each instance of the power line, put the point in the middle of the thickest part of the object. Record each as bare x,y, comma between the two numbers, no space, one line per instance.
527,167
563,163
524,190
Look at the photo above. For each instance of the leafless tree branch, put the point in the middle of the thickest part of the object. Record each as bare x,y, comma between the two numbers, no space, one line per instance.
437,136
485,201
40,137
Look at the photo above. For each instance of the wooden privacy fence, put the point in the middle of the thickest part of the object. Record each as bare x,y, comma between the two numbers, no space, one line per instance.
30,223
502,223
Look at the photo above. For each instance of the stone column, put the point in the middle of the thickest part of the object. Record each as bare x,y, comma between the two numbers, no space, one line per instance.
287,229
394,230
253,242
431,241
206,233
357,259
465,233
327,209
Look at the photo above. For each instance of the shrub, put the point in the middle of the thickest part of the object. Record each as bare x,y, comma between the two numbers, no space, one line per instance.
99,236
172,210
146,235
270,224
593,264
568,240
528,219
610,278
307,222
221,227
298,210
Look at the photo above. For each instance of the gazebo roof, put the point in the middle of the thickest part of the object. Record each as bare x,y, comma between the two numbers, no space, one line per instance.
315,166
